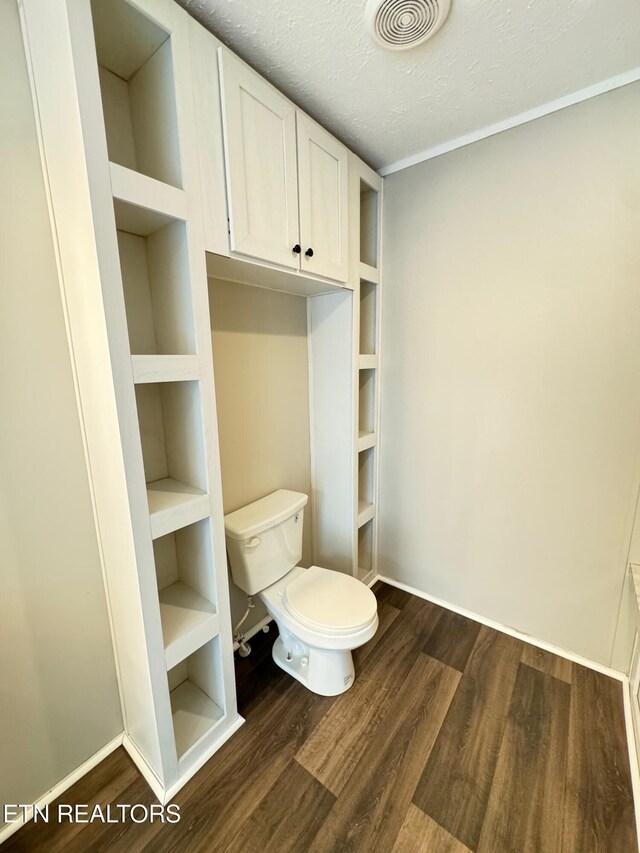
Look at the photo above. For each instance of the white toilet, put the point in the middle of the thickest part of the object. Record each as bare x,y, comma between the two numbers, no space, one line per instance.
321,615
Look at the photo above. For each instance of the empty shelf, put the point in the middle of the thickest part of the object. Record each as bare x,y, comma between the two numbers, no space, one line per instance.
144,205
366,440
194,715
188,622
369,273
164,368
367,362
173,505
366,511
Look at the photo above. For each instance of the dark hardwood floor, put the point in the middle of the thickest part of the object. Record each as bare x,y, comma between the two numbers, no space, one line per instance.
454,738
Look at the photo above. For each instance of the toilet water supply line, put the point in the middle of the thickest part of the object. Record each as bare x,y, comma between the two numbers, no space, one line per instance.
244,649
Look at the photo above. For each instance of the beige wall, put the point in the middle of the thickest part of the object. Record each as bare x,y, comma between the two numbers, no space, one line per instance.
58,692
511,365
262,395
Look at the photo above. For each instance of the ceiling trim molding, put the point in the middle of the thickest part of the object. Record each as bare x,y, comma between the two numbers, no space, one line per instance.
522,118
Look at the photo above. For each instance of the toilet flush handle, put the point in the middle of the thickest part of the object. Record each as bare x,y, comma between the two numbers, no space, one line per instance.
253,543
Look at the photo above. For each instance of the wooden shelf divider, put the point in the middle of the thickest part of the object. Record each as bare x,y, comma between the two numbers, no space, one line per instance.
164,368
188,622
173,505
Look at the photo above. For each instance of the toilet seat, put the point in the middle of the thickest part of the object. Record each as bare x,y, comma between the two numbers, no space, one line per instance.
330,602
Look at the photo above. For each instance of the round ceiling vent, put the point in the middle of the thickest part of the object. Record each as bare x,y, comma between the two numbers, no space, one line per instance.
401,24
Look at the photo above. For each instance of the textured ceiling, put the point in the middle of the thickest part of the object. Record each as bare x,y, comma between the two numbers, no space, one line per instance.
492,60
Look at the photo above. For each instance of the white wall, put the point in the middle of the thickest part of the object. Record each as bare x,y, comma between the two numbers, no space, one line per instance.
58,690
262,393
511,373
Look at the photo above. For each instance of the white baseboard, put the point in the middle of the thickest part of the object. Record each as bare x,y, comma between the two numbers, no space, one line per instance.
632,744
59,789
505,629
145,770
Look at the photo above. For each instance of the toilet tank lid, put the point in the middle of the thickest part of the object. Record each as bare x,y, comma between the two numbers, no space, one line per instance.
260,515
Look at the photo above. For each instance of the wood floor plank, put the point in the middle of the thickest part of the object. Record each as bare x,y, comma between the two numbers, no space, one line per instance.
599,813
452,639
125,835
455,786
335,747
385,593
547,662
288,818
525,809
420,834
370,810
386,617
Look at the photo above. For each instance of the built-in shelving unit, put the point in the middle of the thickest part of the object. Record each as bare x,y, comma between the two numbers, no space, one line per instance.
131,63
164,293
366,186
344,340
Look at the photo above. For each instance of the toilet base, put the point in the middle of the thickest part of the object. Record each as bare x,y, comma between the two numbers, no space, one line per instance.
327,672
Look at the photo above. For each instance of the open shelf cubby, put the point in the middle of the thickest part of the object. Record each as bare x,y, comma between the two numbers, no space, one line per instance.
366,486
135,65
366,402
197,697
368,318
184,569
173,453
365,549
368,225
156,283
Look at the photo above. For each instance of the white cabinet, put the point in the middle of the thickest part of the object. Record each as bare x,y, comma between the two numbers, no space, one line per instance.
287,179
323,187
262,181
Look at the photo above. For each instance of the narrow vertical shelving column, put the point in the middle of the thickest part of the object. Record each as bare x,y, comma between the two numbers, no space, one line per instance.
146,98
129,106
344,342
366,214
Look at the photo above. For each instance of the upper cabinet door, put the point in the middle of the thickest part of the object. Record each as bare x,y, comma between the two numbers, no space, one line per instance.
323,193
260,151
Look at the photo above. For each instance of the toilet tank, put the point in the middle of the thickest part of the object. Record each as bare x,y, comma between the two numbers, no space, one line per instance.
264,539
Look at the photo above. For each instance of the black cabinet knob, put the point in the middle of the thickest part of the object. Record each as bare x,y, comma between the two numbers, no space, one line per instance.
309,252
297,249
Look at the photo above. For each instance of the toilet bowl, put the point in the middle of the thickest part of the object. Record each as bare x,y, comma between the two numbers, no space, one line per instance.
322,615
